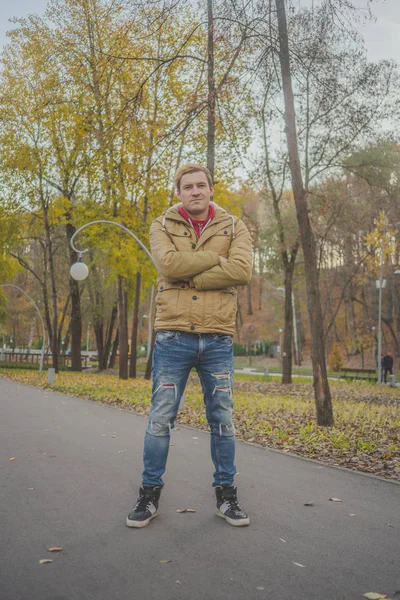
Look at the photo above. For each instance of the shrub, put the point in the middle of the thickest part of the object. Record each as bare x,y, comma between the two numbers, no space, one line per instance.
335,358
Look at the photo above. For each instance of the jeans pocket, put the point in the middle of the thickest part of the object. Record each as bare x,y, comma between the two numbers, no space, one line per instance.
166,335
227,340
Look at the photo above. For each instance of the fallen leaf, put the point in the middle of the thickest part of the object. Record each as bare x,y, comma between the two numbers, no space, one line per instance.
374,596
299,565
172,444
44,561
13,458
282,540
55,549
181,510
195,438
191,510
351,515
178,582
31,488
309,504
185,510
166,560
335,499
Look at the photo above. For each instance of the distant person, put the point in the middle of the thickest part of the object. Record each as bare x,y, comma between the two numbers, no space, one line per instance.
202,254
387,365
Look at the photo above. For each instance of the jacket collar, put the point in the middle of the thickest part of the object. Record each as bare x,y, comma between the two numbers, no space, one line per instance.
173,213
220,219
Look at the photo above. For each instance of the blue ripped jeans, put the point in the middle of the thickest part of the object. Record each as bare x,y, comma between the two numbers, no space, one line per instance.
175,354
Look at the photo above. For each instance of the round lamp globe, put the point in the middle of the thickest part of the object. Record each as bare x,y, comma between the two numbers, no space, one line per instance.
79,271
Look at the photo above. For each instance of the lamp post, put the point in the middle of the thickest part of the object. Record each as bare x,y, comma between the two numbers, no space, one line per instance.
381,284
2,347
295,336
373,329
79,270
40,316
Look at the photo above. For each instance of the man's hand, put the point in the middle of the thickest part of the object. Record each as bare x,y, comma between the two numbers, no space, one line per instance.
223,259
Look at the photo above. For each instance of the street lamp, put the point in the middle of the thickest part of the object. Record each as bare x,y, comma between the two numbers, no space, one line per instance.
40,316
79,270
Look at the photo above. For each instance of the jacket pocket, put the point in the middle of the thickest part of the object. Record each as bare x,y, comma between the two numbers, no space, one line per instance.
223,306
172,302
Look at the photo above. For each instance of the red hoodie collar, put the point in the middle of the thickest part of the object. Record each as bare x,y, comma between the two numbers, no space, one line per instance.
188,218
197,225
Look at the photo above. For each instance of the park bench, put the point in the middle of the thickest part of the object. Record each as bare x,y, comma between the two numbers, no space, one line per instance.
359,373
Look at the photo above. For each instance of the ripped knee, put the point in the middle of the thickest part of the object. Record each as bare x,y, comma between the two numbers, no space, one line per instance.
222,383
223,429
158,428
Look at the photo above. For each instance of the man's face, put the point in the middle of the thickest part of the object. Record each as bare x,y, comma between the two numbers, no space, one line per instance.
195,193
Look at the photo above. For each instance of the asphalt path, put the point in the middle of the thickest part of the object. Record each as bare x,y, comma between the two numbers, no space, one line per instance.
75,477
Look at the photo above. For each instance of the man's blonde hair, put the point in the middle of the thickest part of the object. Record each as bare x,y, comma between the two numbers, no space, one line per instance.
191,168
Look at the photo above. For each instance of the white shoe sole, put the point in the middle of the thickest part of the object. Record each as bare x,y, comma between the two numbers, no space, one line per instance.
138,524
234,522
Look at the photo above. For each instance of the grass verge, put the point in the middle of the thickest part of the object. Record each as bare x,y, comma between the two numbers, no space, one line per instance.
366,435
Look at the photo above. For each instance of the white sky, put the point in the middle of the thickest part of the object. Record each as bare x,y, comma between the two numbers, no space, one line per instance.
382,37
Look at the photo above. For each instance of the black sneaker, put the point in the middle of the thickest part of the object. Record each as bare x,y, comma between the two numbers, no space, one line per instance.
228,506
146,507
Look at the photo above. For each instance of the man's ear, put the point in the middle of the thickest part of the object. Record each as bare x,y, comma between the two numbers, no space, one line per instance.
177,193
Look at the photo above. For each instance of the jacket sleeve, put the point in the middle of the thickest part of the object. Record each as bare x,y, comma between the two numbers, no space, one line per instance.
238,269
174,265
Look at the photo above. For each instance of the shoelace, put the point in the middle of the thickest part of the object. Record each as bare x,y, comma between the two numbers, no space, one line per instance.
233,503
143,503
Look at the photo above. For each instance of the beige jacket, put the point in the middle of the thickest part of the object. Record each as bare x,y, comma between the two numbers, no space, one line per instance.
195,291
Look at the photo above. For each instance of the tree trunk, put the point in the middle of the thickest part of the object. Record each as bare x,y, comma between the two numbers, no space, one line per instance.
54,337
322,394
113,356
61,327
123,330
135,327
149,364
97,304
107,345
249,303
211,92
76,316
288,331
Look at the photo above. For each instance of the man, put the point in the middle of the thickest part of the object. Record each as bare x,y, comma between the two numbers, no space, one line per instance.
202,253
387,365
